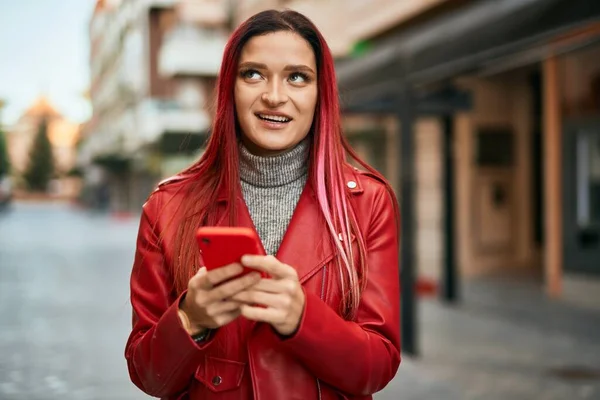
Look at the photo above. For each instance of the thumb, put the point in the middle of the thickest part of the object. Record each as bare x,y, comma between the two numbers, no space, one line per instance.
201,271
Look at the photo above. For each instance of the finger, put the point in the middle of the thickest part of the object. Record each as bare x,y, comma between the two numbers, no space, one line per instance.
224,319
276,285
254,297
219,275
234,286
222,307
270,265
269,315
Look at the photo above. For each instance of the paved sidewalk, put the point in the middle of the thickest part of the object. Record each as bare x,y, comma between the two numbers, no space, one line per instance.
506,341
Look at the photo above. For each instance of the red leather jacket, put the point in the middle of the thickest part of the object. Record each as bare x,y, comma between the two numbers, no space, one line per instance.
327,358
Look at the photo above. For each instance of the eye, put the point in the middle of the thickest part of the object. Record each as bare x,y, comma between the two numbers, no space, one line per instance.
298,77
251,74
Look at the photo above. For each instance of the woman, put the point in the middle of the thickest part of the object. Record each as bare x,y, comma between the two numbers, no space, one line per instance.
326,323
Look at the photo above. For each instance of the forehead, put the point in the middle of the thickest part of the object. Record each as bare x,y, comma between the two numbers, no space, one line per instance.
279,49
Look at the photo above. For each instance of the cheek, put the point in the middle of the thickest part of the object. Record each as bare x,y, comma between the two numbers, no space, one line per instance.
236,99
309,104
238,96
243,102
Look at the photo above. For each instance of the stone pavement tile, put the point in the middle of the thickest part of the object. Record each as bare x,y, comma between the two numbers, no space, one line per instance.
524,302
413,383
468,354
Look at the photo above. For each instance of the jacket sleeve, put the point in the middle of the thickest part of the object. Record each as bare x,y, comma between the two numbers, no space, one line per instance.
358,357
161,356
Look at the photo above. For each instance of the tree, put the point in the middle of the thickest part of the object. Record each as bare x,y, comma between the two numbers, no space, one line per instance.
4,161
41,162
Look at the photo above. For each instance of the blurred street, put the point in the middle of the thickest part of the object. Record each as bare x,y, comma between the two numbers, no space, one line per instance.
64,304
65,319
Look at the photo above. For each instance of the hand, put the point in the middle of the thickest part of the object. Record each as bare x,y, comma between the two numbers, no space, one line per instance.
208,306
282,295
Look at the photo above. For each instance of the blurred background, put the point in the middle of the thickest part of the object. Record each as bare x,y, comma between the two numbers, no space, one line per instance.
484,116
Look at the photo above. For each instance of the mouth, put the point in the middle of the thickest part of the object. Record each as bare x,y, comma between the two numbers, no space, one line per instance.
274,118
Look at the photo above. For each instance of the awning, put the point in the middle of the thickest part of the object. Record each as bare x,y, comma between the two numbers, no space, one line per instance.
460,42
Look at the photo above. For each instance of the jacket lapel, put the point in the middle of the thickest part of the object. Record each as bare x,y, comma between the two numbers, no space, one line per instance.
306,245
243,217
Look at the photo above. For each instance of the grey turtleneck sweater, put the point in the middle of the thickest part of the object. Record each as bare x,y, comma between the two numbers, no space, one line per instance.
271,187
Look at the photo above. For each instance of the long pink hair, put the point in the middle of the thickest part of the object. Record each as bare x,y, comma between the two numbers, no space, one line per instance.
219,163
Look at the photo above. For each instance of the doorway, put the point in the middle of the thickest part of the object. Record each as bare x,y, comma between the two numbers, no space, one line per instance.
581,195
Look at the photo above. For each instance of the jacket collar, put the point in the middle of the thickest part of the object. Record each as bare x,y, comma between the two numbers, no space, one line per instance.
352,182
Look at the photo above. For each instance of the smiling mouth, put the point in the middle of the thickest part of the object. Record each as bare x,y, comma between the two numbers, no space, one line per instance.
274,118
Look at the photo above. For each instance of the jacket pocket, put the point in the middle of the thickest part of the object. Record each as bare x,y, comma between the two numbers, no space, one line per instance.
220,375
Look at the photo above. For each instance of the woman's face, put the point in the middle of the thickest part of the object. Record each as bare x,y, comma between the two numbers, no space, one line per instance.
275,92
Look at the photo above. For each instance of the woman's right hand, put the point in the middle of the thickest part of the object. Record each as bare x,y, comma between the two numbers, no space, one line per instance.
207,304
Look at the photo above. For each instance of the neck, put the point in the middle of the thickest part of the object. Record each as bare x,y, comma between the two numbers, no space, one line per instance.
274,170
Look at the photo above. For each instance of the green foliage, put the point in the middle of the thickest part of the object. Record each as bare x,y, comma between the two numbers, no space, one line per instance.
4,161
41,162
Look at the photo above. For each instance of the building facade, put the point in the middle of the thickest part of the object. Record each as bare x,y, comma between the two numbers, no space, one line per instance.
512,86
153,68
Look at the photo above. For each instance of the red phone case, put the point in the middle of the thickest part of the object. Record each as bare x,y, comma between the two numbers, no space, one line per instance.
220,246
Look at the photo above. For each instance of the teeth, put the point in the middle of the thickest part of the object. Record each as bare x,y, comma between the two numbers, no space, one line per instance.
275,118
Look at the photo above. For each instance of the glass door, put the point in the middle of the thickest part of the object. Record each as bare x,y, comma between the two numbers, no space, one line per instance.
582,196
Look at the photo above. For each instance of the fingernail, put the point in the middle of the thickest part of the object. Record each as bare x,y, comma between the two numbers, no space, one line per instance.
201,271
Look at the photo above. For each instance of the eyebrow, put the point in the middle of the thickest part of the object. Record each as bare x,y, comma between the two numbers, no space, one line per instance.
298,67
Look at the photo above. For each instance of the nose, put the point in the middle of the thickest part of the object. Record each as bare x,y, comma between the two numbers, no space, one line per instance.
275,94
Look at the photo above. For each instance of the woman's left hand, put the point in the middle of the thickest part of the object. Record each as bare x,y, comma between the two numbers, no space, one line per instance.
279,300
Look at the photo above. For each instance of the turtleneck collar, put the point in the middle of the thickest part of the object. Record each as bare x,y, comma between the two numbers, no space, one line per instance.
272,171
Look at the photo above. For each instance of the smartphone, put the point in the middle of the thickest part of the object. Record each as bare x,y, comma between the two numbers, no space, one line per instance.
220,246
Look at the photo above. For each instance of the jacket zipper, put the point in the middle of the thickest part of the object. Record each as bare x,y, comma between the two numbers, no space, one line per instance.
322,298
319,389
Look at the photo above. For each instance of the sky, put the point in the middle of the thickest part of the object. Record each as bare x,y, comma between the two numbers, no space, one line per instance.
44,51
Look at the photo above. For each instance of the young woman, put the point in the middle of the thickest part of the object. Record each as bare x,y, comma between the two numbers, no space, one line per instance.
326,323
